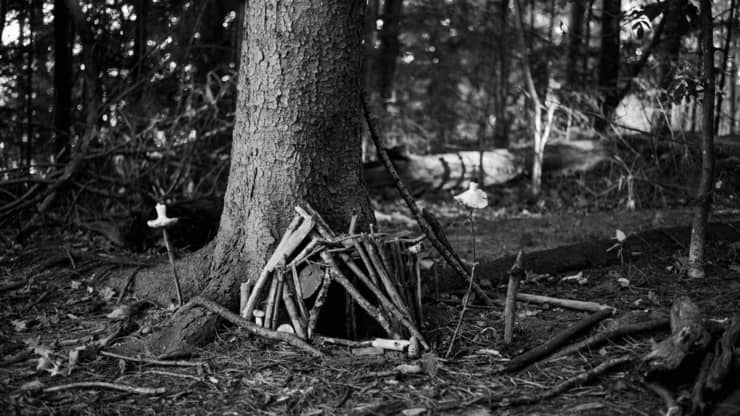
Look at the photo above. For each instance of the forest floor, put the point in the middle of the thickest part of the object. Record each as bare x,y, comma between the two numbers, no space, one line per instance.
57,309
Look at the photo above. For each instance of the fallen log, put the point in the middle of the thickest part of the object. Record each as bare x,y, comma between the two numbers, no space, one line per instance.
591,254
446,171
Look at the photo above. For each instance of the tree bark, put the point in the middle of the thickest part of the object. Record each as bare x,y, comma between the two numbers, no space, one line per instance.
609,60
62,77
296,139
575,39
706,181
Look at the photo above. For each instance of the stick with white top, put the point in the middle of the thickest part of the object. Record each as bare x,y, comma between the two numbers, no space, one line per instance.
163,222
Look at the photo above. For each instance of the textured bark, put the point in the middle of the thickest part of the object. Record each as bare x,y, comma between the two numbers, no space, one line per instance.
704,192
62,77
609,59
296,139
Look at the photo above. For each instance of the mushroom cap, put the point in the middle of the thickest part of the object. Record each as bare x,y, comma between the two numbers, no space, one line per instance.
474,197
161,221
258,313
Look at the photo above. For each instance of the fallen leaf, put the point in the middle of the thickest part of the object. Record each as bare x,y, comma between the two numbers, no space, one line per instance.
310,277
19,325
120,313
107,293
32,386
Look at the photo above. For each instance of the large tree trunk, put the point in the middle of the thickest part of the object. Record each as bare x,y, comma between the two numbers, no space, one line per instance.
62,77
706,181
296,139
609,59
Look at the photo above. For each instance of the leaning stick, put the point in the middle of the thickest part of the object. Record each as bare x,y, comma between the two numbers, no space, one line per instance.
340,278
556,341
385,278
278,297
563,303
299,293
446,251
257,330
515,274
417,270
305,253
292,238
359,247
313,316
290,307
272,296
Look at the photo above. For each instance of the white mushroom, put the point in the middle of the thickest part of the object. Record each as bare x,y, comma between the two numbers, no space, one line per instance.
162,221
258,317
473,198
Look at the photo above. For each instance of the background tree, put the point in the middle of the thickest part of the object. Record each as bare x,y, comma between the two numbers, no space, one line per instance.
706,182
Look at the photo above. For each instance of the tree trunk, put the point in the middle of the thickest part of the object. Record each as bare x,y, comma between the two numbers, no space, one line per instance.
389,49
733,87
609,60
296,139
501,128
28,136
141,7
724,67
706,181
62,77
575,38
3,12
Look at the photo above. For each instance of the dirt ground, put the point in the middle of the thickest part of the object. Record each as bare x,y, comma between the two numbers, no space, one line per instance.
60,308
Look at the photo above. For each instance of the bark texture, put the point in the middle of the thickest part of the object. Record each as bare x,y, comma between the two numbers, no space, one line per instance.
296,140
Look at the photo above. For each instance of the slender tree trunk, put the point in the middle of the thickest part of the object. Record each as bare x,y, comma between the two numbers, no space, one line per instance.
28,137
141,7
609,60
586,44
501,128
730,29
3,12
62,77
733,86
706,181
575,39
389,49
296,140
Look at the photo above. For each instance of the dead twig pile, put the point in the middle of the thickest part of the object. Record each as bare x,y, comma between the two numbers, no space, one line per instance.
379,274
